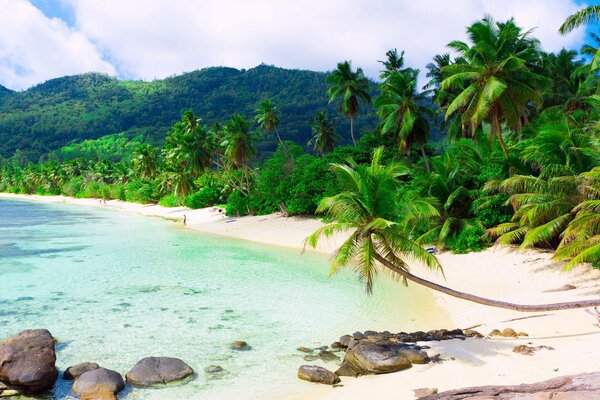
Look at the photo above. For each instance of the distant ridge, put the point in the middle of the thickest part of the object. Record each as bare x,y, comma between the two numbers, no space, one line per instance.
88,106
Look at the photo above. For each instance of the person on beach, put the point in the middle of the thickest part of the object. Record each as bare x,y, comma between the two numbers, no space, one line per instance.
184,219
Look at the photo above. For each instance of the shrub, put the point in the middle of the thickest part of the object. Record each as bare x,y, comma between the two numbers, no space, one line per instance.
169,200
469,239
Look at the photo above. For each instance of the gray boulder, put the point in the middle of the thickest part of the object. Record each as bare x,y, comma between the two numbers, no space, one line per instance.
313,373
98,384
158,370
76,371
27,361
369,358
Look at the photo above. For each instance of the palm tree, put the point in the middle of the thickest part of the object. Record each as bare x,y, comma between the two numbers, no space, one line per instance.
496,81
394,63
238,147
351,87
145,162
400,113
324,136
583,17
267,116
367,210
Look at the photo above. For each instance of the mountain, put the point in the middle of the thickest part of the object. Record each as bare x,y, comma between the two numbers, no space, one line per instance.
71,109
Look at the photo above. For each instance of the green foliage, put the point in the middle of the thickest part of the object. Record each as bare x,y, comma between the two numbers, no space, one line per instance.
169,200
469,239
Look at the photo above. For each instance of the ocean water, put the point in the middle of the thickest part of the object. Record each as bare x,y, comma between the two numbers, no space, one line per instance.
114,288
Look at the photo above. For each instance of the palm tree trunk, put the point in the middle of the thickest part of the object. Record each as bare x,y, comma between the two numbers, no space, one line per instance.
482,300
425,158
280,141
352,129
496,130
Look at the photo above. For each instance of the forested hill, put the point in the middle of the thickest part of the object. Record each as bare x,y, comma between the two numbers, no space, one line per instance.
70,109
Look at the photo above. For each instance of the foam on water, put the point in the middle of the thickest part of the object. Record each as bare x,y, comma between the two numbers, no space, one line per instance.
114,287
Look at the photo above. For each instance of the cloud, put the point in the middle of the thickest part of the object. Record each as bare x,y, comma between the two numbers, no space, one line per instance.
34,48
154,39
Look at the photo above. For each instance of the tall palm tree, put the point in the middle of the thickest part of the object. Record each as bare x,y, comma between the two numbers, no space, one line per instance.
145,162
238,146
267,116
351,87
583,17
401,114
324,136
368,212
496,81
393,63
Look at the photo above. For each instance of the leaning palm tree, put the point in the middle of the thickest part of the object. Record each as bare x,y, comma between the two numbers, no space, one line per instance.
401,114
496,81
351,87
324,136
368,212
267,116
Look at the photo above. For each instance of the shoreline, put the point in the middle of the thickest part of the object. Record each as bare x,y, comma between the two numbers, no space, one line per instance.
499,273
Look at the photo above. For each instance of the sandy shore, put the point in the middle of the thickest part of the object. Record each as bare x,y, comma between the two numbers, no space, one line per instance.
498,273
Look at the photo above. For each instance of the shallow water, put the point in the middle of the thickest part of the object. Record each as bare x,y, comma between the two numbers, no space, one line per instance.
114,288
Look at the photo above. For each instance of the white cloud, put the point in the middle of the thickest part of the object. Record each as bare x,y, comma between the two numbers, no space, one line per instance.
153,39
34,48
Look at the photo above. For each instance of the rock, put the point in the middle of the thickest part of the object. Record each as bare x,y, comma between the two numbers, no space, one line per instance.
522,334
472,333
495,333
369,358
422,392
509,332
240,345
358,335
575,387
344,340
98,384
323,355
313,373
528,350
336,346
303,349
416,356
213,369
158,370
75,371
5,391
27,361
370,333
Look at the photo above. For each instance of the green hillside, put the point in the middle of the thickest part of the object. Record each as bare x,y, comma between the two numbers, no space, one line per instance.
68,110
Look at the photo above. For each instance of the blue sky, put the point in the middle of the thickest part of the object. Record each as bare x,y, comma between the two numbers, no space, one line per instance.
140,39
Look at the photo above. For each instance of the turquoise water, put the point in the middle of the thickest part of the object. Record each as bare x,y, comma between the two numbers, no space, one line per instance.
114,287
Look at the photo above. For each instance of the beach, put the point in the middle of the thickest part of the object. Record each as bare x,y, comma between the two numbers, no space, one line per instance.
500,273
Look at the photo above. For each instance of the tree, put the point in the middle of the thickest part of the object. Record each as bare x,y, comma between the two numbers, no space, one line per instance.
238,148
351,87
583,17
368,212
324,136
267,116
145,163
394,63
401,114
496,81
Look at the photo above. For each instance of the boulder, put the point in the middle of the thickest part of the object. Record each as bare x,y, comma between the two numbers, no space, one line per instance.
423,392
509,332
240,345
415,356
313,373
158,370
98,384
27,361
213,369
369,358
344,340
303,349
76,371
495,333
529,350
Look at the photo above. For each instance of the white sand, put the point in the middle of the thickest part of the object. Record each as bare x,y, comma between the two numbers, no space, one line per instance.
498,273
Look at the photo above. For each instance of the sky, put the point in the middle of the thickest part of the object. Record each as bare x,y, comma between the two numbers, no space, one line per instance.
153,39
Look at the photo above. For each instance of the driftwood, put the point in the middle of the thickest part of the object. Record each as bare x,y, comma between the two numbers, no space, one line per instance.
583,386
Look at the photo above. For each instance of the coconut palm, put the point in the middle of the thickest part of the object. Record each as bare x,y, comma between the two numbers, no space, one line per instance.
368,212
238,148
267,116
145,161
583,17
324,136
401,114
351,88
392,64
496,80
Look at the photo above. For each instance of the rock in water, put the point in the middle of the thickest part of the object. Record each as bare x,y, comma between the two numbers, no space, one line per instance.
158,370
27,361
313,373
369,358
240,345
76,371
98,384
